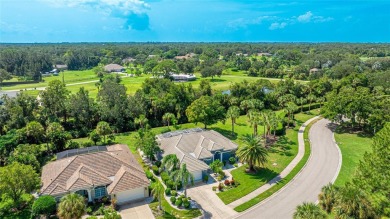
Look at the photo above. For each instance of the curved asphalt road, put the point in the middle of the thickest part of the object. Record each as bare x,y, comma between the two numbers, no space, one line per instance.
322,168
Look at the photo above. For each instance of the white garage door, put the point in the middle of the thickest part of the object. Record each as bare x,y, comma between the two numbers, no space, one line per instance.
197,175
130,195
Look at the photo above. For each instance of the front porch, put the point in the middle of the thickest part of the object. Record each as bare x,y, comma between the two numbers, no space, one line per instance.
95,194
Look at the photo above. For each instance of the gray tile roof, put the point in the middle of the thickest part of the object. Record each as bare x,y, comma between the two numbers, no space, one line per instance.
87,170
191,145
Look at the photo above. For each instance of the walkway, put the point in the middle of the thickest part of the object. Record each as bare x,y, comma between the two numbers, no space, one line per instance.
284,173
322,168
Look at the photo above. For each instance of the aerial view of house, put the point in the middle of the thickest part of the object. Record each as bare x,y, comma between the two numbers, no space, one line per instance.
114,68
96,172
196,147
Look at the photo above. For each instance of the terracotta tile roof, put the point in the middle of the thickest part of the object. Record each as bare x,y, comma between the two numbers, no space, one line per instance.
126,179
113,67
89,170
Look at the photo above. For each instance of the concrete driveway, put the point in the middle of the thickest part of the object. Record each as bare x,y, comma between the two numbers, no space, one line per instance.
137,210
209,202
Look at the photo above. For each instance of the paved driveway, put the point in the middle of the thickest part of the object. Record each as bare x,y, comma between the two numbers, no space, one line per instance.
138,210
209,202
322,168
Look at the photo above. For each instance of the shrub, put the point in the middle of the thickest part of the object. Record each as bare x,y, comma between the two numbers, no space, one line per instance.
155,170
178,203
232,182
87,144
165,177
92,217
187,204
170,184
6,205
232,160
235,165
184,200
173,199
189,198
205,178
173,192
226,182
149,175
89,210
215,188
158,163
168,191
100,211
45,205
220,187
221,173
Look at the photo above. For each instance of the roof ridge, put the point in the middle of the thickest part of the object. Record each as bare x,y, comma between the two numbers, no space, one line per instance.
53,180
122,162
122,167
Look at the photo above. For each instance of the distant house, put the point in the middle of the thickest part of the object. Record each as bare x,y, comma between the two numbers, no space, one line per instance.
183,77
264,54
187,56
61,67
114,68
128,60
96,172
314,70
152,56
197,148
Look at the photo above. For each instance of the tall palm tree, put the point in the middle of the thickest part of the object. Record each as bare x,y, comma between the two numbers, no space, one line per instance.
327,197
274,122
141,121
184,176
309,211
233,113
290,109
170,162
253,152
72,206
301,101
255,120
168,118
158,193
311,98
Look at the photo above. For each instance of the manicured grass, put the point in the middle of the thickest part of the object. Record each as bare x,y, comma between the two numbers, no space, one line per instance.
69,76
284,181
352,148
281,154
170,212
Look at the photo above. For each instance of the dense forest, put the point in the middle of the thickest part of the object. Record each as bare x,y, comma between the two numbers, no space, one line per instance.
348,81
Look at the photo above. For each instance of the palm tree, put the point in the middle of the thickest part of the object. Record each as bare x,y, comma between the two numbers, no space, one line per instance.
233,113
158,193
274,122
184,176
253,152
352,202
327,197
309,211
72,206
301,101
168,117
290,109
170,162
141,121
311,98
255,120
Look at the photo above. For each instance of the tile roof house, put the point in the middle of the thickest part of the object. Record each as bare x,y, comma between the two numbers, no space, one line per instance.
197,148
114,68
95,172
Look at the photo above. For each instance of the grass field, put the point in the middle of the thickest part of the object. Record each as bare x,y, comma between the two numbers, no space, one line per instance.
69,76
352,148
131,83
287,179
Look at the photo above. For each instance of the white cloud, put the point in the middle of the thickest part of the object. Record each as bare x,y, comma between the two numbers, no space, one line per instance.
277,25
304,18
241,22
310,17
107,6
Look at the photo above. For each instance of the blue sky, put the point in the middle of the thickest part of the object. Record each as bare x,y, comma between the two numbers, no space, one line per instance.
189,20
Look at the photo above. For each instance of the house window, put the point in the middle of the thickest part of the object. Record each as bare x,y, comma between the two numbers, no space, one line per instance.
100,191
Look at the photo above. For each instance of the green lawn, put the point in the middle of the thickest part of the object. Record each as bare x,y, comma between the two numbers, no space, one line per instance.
281,154
352,148
284,181
69,76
